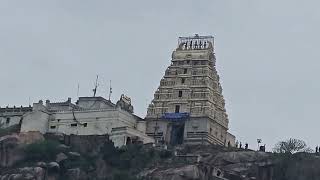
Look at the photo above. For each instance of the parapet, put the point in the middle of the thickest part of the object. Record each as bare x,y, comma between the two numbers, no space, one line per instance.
15,109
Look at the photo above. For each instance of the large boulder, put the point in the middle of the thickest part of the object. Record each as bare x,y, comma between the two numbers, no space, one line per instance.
54,166
225,158
60,157
244,164
74,155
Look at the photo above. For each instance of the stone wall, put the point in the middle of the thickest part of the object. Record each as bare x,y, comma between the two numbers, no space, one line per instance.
89,122
82,143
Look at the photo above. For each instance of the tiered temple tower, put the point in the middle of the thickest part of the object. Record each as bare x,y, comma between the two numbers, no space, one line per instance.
188,106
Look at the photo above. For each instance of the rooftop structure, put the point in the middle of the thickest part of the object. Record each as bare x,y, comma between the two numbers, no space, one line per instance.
10,116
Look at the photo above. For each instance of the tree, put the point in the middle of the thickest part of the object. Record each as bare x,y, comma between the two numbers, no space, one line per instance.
291,146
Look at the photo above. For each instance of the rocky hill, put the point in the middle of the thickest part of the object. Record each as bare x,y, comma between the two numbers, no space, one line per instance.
33,156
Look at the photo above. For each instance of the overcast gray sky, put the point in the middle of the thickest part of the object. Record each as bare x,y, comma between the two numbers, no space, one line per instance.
267,55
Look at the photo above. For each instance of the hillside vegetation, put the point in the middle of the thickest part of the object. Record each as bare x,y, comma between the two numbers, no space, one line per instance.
56,156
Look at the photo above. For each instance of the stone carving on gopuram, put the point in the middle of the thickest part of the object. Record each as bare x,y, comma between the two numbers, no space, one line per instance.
188,106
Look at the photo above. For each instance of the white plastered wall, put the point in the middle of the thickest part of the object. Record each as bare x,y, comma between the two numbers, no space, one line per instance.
13,120
97,122
35,121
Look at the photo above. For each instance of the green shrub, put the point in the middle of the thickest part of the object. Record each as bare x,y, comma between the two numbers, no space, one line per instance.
132,156
82,163
122,175
45,151
110,154
9,130
165,154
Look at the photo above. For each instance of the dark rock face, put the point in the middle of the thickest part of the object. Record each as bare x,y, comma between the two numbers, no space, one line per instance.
248,164
11,147
32,173
47,171
102,171
73,173
9,153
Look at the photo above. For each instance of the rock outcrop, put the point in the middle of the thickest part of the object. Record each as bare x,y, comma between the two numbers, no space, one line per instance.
47,171
30,173
95,157
11,146
236,165
69,155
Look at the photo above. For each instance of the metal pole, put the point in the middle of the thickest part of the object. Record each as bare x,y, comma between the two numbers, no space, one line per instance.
78,90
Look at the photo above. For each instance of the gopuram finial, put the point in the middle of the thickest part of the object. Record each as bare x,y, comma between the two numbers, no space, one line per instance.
195,42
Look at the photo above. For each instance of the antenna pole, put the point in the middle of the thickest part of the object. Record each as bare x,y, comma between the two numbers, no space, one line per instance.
110,91
95,87
78,90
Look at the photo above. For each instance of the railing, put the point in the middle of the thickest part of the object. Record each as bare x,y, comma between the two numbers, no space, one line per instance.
84,110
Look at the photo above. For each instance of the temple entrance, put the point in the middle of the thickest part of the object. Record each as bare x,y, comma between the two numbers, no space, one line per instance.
177,133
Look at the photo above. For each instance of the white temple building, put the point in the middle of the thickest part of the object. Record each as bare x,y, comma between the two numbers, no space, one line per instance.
88,116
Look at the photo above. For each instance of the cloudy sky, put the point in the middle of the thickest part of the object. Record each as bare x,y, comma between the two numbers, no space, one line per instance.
267,56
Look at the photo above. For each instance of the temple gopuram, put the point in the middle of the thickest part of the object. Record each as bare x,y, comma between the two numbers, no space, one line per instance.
188,106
